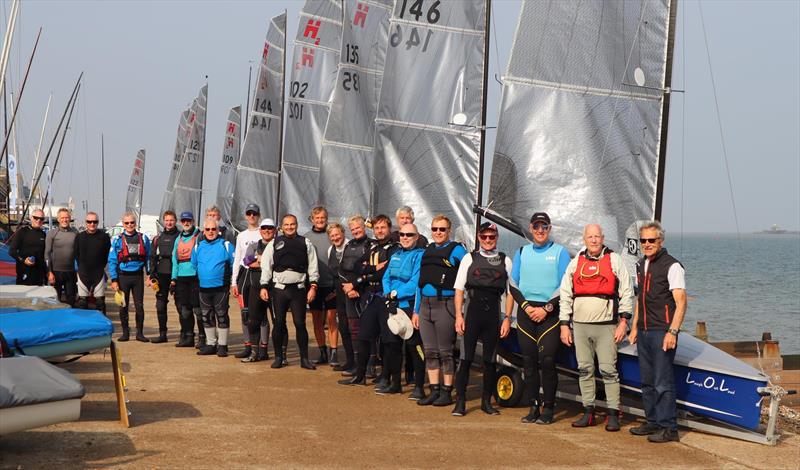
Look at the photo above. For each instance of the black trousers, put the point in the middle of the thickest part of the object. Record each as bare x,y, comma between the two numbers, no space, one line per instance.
481,322
132,283
258,311
66,286
539,343
187,300
162,300
35,275
290,297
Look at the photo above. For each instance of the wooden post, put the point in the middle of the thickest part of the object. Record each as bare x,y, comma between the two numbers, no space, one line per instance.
766,336
700,331
119,385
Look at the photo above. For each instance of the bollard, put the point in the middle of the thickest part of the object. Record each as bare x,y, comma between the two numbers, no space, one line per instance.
771,349
766,336
700,331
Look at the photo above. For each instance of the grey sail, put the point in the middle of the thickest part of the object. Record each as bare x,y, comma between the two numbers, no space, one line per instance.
580,129
133,200
314,64
259,165
180,145
230,158
431,111
348,146
189,179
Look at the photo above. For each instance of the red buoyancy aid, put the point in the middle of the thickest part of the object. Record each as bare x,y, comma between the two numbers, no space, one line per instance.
185,247
124,255
594,277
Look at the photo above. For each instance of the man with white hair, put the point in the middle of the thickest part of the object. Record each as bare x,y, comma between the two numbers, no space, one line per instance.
59,253
127,262
27,249
597,298
405,215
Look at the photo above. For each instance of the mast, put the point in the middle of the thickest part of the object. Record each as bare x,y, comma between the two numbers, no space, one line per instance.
246,119
7,39
482,150
41,135
280,134
103,177
662,150
203,161
63,138
5,154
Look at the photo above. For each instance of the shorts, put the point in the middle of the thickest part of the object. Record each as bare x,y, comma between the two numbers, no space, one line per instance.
324,300
97,290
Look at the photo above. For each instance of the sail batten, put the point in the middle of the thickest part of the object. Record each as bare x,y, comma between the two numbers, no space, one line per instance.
259,166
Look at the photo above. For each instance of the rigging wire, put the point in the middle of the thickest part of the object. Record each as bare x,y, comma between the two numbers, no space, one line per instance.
719,124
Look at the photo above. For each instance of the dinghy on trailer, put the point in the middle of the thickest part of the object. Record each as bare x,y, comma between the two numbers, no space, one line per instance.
56,332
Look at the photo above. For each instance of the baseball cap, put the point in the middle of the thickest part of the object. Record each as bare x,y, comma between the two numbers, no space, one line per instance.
487,226
540,217
268,222
253,208
187,215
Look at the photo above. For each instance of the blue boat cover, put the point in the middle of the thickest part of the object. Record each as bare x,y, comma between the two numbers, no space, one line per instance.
38,327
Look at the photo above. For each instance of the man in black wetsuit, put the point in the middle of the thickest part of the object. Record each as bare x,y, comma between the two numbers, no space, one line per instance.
161,270
91,254
27,248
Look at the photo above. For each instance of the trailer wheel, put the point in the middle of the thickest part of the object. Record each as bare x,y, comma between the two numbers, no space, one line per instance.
509,387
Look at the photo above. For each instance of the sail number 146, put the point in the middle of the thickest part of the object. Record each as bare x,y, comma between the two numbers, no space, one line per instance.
432,16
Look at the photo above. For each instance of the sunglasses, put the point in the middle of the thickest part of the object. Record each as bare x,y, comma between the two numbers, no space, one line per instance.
92,221
542,227
37,218
128,223
407,234
250,213
183,221
651,241
488,237
267,227
211,229
438,229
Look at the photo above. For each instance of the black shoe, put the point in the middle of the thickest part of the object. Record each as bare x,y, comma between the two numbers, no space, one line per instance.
664,435
430,398
201,341
461,407
350,372
533,415
186,341
343,367
486,406
162,338
253,357
323,356
417,394
445,397
284,361
222,350
370,374
244,352
587,419
389,389
277,363
645,429
334,358
141,337
353,381
612,421
207,350
125,336
547,416
380,382
306,364
263,352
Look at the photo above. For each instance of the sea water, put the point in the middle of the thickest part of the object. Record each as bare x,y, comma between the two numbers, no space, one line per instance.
742,285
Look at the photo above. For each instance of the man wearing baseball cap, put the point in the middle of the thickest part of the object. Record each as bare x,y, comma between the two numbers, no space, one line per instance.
184,284
241,286
257,307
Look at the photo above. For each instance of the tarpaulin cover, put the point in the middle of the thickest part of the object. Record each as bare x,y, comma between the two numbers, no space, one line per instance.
27,380
39,327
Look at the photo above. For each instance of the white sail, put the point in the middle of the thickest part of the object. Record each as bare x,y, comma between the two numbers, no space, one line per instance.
348,147
133,200
582,119
189,179
180,146
259,165
314,64
431,111
230,158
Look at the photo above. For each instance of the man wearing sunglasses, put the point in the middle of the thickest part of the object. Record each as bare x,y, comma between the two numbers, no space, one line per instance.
241,288
597,298
59,253
258,323
27,249
656,323
161,270
127,261
91,248
184,284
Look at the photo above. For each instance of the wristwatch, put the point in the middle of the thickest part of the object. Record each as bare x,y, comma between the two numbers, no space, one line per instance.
548,307
674,332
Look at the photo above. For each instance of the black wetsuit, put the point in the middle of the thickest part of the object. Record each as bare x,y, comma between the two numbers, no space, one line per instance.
29,242
91,254
161,271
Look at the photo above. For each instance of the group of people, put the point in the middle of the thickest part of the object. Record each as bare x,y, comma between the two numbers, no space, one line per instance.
395,299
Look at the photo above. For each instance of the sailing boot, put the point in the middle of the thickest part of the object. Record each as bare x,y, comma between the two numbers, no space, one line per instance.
587,419
162,337
664,435
461,406
141,337
393,387
306,364
323,355
533,415
186,341
547,414
445,397
222,350
278,362
140,328
430,398
333,360
123,321
370,372
253,357
417,394
612,421
244,353
263,352
486,405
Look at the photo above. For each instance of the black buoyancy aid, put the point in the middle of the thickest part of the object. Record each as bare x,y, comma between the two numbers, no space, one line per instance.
132,251
185,247
290,254
355,253
436,268
594,276
656,303
379,253
164,243
487,273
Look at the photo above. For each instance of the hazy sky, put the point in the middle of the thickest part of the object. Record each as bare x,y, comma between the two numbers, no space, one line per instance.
144,61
